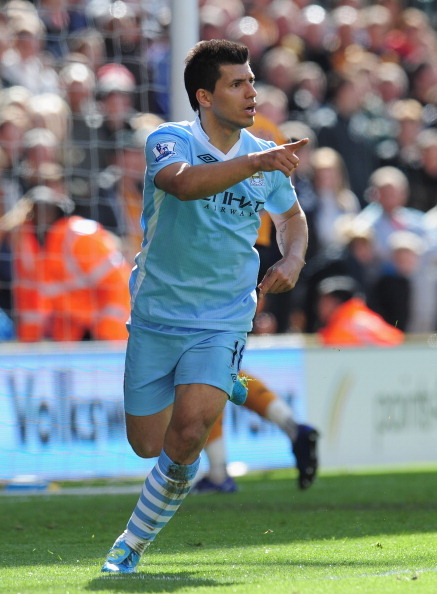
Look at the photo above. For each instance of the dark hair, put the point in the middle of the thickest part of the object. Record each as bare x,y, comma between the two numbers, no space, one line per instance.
202,65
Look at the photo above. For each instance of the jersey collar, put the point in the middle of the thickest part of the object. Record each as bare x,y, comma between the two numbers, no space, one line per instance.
201,135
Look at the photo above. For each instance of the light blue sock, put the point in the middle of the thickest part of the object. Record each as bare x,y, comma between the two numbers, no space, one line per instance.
164,490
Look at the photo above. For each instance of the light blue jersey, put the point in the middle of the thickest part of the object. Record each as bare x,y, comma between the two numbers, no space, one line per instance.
198,267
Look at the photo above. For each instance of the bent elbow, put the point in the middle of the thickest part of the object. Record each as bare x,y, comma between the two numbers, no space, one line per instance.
180,189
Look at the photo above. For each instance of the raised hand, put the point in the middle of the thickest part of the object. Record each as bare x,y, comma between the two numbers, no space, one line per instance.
281,158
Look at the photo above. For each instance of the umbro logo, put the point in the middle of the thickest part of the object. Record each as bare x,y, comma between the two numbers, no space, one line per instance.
207,158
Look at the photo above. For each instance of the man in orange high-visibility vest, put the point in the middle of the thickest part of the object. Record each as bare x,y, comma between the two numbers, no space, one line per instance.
347,321
70,280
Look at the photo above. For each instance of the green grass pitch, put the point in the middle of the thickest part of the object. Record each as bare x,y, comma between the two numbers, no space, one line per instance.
366,532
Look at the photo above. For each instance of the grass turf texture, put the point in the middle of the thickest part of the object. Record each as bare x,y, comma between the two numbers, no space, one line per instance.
357,532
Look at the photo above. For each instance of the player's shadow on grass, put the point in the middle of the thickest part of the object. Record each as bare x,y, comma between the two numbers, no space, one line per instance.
144,582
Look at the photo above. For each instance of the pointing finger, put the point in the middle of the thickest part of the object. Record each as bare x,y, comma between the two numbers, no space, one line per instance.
295,146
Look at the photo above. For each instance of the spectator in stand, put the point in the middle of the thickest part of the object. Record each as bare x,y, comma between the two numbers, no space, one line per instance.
403,294
358,254
314,28
388,194
16,96
355,257
90,44
158,58
14,122
342,126
414,39
5,251
115,88
347,34
251,32
5,44
51,111
391,83
121,28
362,66
78,85
77,17
378,22
3,166
70,281
388,84
430,224
346,321
229,11
285,15
423,81
98,135
423,194
61,18
259,10
50,174
25,63
400,149
54,15
430,259
40,146
47,140
430,109
272,104
278,68
213,21
334,196
308,95
395,8
82,159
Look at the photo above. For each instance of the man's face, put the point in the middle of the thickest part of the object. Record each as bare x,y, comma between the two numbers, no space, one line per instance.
43,216
390,196
233,99
326,306
117,106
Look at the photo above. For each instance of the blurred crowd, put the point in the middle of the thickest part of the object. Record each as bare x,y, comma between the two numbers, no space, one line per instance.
83,82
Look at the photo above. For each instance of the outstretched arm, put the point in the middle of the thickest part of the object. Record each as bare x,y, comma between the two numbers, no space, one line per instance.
292,238
194,182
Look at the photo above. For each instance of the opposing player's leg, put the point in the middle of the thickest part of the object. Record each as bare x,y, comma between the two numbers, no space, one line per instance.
217,479
303,438
266,404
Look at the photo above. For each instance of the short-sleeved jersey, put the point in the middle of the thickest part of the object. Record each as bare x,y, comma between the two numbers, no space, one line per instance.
198,267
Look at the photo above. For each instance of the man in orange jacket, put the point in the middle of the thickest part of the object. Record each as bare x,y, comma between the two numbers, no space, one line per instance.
70,281
347,321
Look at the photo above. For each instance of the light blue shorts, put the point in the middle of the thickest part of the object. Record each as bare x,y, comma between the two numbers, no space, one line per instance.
158,358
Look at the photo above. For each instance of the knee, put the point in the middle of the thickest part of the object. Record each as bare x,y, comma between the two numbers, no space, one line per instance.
192,436
145,449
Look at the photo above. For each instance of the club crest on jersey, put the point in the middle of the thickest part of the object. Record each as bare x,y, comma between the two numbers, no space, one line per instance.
163,150
257,179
